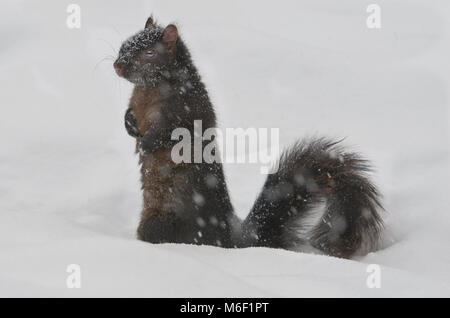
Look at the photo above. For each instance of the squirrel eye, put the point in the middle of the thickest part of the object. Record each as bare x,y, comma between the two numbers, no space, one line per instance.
150,53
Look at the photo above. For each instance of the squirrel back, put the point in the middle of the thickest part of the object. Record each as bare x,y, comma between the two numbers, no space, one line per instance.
320,199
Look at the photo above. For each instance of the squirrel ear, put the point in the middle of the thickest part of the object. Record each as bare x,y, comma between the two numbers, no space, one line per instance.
149,22
170,37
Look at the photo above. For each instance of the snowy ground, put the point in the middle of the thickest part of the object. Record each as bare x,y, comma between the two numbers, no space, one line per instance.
69,190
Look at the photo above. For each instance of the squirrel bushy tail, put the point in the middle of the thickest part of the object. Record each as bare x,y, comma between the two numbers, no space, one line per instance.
320,199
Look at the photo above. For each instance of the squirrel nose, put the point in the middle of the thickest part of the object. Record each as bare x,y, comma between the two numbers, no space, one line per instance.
118,68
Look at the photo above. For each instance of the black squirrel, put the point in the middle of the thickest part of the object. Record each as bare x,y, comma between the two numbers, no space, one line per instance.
320,199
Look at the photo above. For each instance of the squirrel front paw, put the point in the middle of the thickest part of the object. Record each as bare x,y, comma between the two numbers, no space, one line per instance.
131,124
150,143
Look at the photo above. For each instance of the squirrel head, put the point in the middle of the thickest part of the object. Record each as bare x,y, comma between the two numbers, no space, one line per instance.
148,56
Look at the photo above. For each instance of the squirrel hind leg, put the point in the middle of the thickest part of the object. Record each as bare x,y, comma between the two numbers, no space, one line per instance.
157,230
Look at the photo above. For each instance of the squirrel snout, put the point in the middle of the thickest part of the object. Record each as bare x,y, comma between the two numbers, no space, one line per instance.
118,68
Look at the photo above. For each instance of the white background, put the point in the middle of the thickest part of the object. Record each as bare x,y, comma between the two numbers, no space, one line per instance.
69,189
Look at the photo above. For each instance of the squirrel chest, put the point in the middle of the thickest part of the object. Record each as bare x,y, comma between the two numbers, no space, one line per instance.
147,105
158,170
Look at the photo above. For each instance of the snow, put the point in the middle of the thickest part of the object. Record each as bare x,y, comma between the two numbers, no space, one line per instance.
69,179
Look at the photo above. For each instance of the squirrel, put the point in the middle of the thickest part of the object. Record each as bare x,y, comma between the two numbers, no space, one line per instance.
320,199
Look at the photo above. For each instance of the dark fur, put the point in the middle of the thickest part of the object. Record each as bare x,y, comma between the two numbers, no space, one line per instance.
311,173
184,203
189,203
